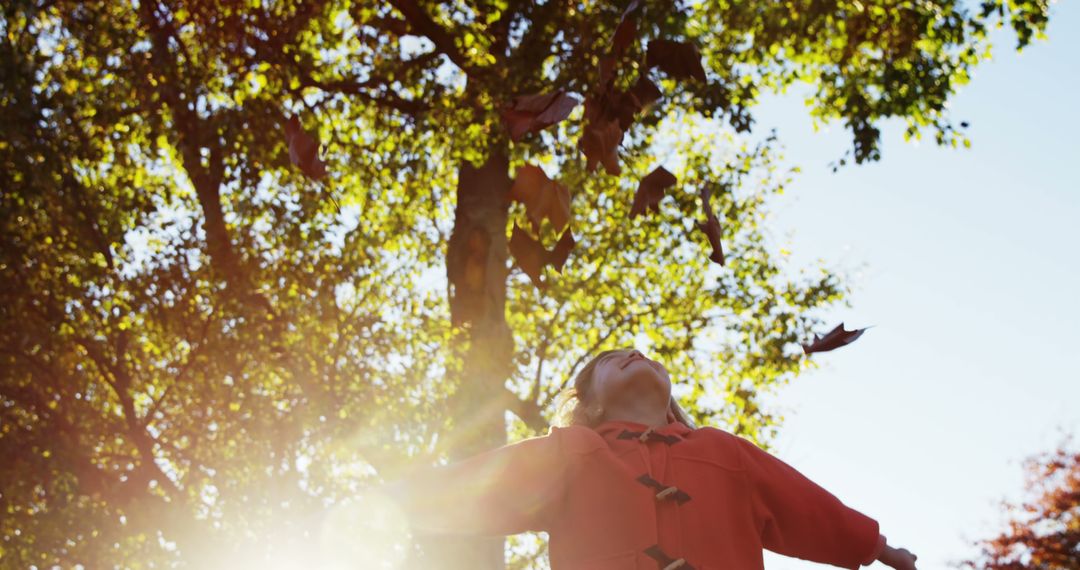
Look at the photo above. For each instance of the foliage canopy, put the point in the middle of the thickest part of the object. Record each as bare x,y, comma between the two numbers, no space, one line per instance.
201,344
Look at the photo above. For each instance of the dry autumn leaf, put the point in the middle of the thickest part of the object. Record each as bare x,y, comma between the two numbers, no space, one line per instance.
530,113
608,114
620,40
559,255
833,339
677,59
622,105
645,92
531,257
600,141
607,70
542,196
711,227
625,31
303,149
651,190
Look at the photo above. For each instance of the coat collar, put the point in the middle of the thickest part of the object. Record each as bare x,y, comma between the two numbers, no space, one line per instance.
626,430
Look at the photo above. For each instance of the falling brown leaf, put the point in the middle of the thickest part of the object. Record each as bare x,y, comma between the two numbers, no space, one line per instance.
651,190
712,230
833,339
620,40
562,250
529,113
678,59
607,70
622,105
645,91
542,196
528,253
531,257
600,139
624,32
608,114
711,227
303,149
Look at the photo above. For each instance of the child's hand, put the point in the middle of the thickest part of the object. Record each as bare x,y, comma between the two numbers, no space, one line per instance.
899,558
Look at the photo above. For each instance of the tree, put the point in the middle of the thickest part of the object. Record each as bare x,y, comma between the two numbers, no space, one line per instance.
1043,531
200,347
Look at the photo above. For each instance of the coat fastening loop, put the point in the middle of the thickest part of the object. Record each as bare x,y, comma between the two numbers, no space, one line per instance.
665,491
665,562
649,434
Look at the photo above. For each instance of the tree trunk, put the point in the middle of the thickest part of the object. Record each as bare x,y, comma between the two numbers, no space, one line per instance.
477,271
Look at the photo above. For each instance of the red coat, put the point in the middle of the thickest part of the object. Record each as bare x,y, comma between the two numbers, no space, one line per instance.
621,497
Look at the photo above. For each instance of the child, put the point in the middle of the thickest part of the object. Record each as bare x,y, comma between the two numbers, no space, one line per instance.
628,483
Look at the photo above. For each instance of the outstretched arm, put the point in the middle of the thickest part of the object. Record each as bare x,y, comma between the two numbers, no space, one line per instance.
502,491
796,517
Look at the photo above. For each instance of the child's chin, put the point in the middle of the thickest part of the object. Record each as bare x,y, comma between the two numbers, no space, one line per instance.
646,374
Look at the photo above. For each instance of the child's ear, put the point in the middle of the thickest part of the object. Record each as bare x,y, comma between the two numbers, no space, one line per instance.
670,416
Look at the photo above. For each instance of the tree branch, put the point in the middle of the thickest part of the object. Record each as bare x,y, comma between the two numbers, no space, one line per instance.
534,392
192,137
444,42
529,412
392,100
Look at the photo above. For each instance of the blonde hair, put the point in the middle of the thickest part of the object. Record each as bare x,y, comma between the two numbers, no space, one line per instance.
571,403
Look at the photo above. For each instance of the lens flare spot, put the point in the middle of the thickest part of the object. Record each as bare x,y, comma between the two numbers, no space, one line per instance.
369,531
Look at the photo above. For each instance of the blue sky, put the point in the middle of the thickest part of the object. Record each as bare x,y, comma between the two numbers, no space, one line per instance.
969,274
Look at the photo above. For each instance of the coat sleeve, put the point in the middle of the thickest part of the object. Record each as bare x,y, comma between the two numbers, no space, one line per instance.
507,490
796,517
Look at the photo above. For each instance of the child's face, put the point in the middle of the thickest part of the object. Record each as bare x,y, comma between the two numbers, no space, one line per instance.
629,379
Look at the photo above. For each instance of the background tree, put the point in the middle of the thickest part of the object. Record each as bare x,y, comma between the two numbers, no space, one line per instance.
207,339
1044,530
